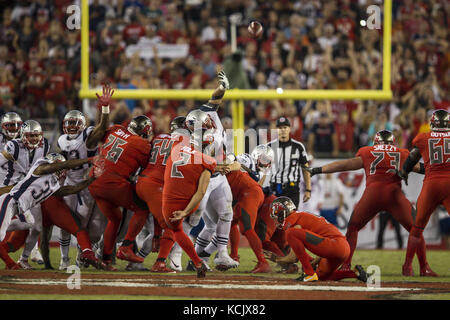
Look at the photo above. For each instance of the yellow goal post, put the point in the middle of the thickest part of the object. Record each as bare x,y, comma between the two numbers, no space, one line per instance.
238,95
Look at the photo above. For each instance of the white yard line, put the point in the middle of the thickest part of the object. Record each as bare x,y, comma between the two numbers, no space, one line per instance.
130,283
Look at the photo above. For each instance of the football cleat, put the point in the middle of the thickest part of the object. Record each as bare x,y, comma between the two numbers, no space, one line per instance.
201,270
262,267
15,266
190,266
224,262
133,266
175,261
88,257
107,265
161,267
305,278
126,253
361,274
64,263
24,264
427,272
36,256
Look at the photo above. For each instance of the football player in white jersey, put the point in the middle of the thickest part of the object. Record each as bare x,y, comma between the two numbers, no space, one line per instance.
17,157
45,178
77,142
214,237
11,124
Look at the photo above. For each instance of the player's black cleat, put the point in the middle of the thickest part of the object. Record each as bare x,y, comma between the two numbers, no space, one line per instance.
361,273
190,266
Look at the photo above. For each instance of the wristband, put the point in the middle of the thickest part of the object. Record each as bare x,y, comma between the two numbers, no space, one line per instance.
317,170
105,109
308,190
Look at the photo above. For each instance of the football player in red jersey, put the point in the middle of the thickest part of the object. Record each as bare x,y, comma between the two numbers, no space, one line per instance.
186,178
125,151
383,192
307,231
434,148
248,197
150,185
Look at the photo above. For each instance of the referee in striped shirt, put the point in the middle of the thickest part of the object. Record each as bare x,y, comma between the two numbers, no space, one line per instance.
290,155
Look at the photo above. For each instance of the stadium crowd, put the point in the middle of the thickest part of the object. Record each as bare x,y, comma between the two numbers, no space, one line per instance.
306,44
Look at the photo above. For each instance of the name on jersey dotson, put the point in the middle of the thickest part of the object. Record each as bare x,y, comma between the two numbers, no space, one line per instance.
384,147
440,134
122,134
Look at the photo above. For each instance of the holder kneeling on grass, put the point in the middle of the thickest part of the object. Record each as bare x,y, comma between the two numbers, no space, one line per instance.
307,231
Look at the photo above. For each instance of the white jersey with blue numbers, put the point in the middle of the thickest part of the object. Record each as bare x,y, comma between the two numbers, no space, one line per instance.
12,172
33,189
75,148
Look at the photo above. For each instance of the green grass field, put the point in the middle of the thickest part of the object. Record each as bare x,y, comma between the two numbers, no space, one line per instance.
389,262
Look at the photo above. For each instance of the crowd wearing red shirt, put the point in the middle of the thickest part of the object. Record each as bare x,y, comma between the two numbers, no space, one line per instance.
306,44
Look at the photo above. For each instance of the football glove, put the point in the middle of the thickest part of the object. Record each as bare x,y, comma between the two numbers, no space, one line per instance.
403,175
224,84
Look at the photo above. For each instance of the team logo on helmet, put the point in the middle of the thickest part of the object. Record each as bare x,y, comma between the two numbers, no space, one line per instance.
440,120
11,124
141,126
281,208
384,137
31,134
74,123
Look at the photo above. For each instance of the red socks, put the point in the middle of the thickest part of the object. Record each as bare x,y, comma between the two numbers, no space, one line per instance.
165,244
255,244
235,237
136,224
186,244
352,239
83,240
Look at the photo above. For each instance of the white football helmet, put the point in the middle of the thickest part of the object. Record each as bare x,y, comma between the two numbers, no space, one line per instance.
11,123
197,119
74,123
263,156
31,134
57,157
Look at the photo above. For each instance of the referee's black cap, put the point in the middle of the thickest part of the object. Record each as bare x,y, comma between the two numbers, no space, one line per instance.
283,121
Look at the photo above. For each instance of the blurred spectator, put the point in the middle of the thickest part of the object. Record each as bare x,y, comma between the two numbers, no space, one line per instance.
344,133
322,138
306,44
331,195
384,218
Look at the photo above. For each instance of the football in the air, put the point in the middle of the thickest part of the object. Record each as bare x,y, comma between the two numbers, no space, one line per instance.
255,29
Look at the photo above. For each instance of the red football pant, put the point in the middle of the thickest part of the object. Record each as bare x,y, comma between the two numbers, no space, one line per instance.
56,212
15,240
434,192
245,213
151,193
177,227
110,195
333,251
378,198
